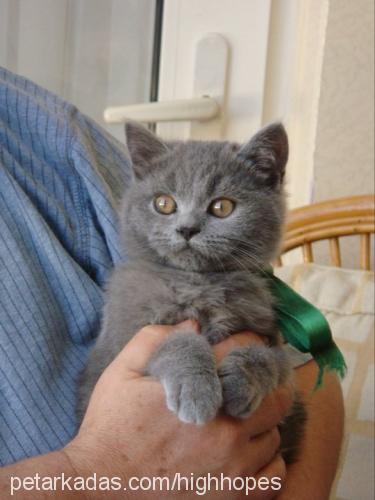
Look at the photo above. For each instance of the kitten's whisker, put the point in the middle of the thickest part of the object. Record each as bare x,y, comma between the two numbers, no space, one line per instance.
253,262
219,261
243,250
240,252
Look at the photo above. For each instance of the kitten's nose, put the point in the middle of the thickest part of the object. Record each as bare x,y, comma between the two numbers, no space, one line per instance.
188,232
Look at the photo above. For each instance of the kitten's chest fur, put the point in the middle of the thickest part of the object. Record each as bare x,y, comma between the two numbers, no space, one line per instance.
223,303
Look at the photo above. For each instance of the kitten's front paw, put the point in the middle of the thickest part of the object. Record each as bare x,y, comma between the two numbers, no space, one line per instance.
195,399
248,374
241,395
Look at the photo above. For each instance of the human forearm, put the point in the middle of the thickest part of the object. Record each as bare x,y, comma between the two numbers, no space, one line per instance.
312,475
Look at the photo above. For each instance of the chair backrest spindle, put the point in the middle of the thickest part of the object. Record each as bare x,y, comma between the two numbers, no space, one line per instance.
365,251
307,252
334,247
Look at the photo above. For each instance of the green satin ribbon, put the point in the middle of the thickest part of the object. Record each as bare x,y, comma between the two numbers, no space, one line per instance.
305,327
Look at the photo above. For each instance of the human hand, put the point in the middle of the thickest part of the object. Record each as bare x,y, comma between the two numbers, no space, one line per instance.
128,430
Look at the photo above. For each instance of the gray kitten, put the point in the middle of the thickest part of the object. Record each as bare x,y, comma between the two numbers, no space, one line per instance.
200,221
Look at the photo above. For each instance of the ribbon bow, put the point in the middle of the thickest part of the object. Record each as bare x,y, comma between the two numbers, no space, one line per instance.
305,327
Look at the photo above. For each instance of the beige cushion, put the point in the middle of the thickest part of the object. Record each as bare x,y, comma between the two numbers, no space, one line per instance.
347,299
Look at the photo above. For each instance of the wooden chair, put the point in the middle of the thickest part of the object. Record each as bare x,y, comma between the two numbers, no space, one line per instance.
331,220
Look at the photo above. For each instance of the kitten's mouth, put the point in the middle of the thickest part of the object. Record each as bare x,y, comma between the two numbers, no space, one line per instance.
184,247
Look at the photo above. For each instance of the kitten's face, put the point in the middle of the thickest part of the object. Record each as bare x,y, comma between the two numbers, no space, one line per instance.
205,206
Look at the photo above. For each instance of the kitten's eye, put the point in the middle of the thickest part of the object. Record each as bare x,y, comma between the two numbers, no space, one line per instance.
165,204
222,207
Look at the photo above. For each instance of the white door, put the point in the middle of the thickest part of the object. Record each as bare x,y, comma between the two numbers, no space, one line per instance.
243,25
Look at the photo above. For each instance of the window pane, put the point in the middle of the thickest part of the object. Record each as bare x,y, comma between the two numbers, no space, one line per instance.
94,53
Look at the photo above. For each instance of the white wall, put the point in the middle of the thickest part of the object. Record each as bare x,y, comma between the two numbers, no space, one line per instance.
344,149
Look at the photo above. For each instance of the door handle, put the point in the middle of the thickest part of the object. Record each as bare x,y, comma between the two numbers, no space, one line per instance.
211,59
197,108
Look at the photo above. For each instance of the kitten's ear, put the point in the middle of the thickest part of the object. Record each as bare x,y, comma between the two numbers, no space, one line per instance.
267,154
143,147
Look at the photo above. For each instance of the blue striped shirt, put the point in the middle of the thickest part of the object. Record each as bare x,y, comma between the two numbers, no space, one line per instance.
61,178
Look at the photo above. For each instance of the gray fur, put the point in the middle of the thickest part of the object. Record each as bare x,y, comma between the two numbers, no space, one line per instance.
215,277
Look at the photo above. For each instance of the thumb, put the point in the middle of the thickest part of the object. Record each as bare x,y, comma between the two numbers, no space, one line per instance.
133,359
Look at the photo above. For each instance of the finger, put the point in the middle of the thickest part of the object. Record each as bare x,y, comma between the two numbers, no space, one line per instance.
271,478
270,413
241,339
260,451
136,354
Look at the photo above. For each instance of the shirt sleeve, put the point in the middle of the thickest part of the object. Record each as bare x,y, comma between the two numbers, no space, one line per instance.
61,177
